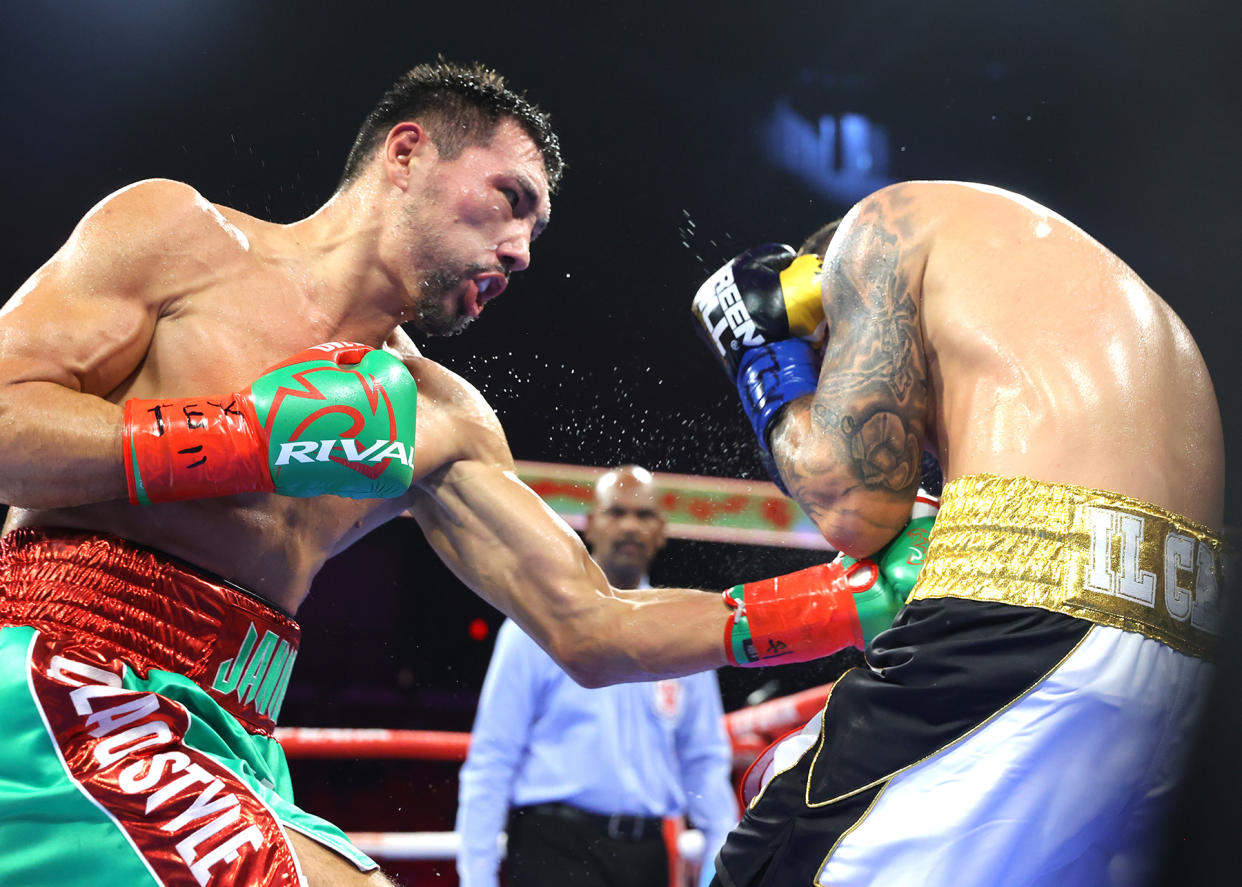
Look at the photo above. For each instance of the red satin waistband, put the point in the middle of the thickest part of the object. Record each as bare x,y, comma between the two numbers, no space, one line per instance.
149,610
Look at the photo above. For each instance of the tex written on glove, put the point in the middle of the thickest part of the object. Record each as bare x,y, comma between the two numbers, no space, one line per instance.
822,609
334,419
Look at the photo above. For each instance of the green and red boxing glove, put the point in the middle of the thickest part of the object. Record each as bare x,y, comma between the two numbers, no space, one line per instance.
817,611
335,419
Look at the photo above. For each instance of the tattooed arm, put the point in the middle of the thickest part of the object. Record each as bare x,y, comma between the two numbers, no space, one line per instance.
850,453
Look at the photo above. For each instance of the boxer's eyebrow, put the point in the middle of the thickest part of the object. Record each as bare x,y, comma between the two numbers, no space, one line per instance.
531,195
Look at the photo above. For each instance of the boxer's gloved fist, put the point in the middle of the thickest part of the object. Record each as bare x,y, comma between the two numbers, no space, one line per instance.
335,419
882,582
817,611
756,313
766,294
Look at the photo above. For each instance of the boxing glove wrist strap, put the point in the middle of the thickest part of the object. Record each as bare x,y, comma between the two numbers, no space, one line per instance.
792,618
192,448
773,376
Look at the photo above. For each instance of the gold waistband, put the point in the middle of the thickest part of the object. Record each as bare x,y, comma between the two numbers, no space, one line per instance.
1087,553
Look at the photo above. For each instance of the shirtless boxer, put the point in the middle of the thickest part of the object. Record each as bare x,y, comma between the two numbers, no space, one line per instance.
1023,721
201,407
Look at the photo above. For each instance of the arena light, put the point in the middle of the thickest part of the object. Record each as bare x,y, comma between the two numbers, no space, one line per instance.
844,157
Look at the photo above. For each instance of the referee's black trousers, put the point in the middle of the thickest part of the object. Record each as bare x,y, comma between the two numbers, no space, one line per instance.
555,845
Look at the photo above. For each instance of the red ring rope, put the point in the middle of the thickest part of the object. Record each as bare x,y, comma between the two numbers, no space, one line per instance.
748,728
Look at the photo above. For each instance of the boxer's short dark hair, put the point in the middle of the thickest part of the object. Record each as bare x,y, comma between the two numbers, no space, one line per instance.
817,242
461,106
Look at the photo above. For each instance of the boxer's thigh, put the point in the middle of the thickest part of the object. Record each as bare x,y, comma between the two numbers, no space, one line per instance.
99,786
1066,786
320,866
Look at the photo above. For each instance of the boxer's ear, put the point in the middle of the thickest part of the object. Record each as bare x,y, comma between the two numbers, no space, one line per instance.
405,147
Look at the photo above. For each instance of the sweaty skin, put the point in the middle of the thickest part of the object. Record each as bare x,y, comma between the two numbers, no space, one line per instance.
987,329
159,293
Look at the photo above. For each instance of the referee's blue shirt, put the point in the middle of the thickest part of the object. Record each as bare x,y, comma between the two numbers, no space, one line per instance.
649,749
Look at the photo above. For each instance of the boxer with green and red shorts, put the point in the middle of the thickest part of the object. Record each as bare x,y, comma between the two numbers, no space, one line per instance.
139,693
139,697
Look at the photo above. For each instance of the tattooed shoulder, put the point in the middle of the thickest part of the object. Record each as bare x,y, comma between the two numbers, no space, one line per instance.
872,393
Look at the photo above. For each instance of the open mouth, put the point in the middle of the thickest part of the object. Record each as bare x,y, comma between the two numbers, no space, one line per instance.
482,289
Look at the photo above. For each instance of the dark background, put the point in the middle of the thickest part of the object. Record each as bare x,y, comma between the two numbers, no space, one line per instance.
1120,115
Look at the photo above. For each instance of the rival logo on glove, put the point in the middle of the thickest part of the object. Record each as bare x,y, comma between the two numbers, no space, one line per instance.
300,450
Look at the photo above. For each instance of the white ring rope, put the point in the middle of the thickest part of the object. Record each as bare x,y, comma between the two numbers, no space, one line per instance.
749,728
444,845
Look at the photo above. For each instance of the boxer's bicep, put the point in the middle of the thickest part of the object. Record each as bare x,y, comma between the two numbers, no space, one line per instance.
62,330
85,319
506,544
75,331
851,453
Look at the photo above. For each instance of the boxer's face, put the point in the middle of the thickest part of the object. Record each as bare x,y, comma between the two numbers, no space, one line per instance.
471,226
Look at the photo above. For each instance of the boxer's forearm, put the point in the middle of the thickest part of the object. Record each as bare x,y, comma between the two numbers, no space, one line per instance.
59,447
851,455
819,474
506,544
650,634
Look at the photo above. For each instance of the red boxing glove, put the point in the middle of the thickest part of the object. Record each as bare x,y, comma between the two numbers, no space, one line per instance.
825,608
792,618
191,448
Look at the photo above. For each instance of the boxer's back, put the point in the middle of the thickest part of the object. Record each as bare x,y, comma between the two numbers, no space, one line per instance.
1048,357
